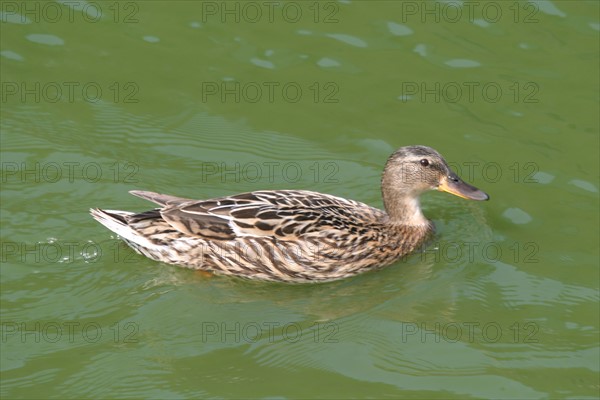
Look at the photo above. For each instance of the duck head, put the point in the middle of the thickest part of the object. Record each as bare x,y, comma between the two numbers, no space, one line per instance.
412,170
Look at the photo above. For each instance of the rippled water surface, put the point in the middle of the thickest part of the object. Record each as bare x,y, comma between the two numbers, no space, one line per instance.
204,99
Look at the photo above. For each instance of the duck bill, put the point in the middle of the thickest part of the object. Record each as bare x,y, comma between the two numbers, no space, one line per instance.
456,186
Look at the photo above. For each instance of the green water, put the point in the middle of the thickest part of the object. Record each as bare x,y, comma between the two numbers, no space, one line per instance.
203,99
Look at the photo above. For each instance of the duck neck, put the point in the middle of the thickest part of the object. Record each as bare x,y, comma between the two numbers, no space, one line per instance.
403,208
405,211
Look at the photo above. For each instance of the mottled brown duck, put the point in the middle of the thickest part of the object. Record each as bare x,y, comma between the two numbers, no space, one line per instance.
293,235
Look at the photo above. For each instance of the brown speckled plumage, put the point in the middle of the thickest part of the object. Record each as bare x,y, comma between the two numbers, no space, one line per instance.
291,235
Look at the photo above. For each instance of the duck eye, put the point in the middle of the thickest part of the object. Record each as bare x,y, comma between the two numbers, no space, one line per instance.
424,162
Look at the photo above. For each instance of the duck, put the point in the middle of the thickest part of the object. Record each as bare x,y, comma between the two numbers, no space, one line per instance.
293,236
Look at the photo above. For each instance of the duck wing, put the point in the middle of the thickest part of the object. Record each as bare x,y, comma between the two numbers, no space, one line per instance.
283,214
158,198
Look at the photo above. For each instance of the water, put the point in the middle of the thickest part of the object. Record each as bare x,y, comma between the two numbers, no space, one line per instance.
181,98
